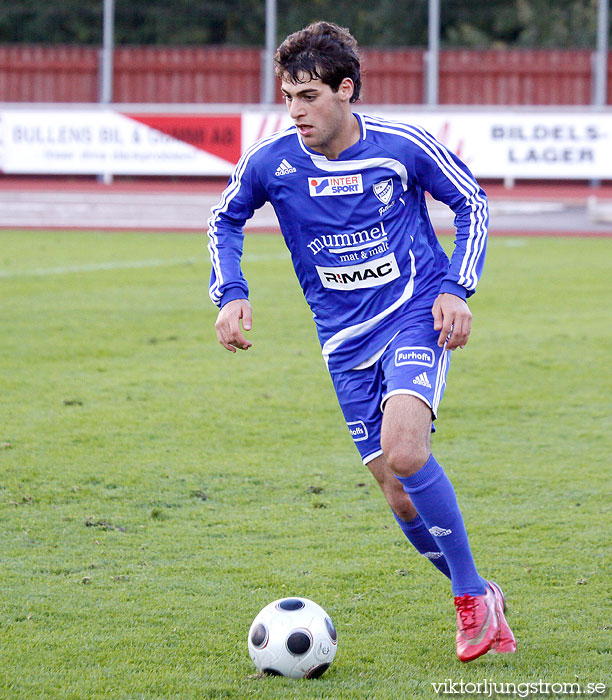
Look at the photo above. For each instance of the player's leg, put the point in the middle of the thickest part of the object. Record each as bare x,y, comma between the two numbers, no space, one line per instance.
406,515
359,393
397,498
415,371
405,440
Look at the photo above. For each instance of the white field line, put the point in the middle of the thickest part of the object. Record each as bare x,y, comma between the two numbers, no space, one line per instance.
125,265
95,267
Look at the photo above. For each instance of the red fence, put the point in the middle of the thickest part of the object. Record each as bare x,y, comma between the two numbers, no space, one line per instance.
198,75
233,75
521,77
48,74
392,76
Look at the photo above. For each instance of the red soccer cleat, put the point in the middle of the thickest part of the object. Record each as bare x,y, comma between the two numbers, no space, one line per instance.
505,643
477,624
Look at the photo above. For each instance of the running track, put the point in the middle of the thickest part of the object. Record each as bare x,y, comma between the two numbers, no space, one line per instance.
154,205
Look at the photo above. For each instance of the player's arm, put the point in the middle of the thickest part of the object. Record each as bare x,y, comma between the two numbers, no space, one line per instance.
450,181
228,287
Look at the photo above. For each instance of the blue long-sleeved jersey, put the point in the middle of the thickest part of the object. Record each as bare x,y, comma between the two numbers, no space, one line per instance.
358,230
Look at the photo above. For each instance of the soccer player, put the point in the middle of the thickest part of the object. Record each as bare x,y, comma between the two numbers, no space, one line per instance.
388,304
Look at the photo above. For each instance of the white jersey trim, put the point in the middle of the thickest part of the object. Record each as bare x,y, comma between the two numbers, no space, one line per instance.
376,356
336,340
336,166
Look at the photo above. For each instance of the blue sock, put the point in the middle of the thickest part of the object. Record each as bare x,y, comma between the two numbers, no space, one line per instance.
423,541
434,498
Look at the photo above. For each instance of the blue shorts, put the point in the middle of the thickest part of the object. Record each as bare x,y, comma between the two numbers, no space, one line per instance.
412,363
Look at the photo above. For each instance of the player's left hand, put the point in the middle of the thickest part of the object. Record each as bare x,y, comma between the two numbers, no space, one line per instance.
228,322
453,318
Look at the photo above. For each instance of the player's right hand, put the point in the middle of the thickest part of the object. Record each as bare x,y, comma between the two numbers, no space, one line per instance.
227,326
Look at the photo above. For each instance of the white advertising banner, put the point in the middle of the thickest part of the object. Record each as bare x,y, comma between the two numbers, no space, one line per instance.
499,144
89,142
520,144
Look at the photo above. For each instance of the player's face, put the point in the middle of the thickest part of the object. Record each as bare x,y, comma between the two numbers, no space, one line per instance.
323,117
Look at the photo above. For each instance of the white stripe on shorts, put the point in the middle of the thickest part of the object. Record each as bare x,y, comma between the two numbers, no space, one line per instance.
410,392
440,379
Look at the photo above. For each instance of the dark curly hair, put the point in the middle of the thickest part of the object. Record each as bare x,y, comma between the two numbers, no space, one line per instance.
323,51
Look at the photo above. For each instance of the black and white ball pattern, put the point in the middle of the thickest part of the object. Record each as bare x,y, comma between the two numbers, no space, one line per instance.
293,637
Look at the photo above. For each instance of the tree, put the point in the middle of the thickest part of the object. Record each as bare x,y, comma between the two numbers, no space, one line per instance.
476,23
521,23
51,22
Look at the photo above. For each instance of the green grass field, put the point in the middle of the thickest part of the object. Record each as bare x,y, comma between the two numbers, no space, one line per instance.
156,491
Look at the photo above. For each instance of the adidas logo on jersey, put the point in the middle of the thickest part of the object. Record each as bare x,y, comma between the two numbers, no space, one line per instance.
285,168
422,380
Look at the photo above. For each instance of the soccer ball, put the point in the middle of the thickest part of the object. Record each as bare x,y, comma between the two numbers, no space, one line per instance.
293,637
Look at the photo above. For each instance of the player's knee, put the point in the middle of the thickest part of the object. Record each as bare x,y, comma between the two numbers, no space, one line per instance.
407,458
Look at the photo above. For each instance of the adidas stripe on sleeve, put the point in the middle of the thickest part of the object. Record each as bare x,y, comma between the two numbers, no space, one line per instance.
445,177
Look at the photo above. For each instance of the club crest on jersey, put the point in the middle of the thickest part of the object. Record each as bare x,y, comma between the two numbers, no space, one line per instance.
384,190
335,186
